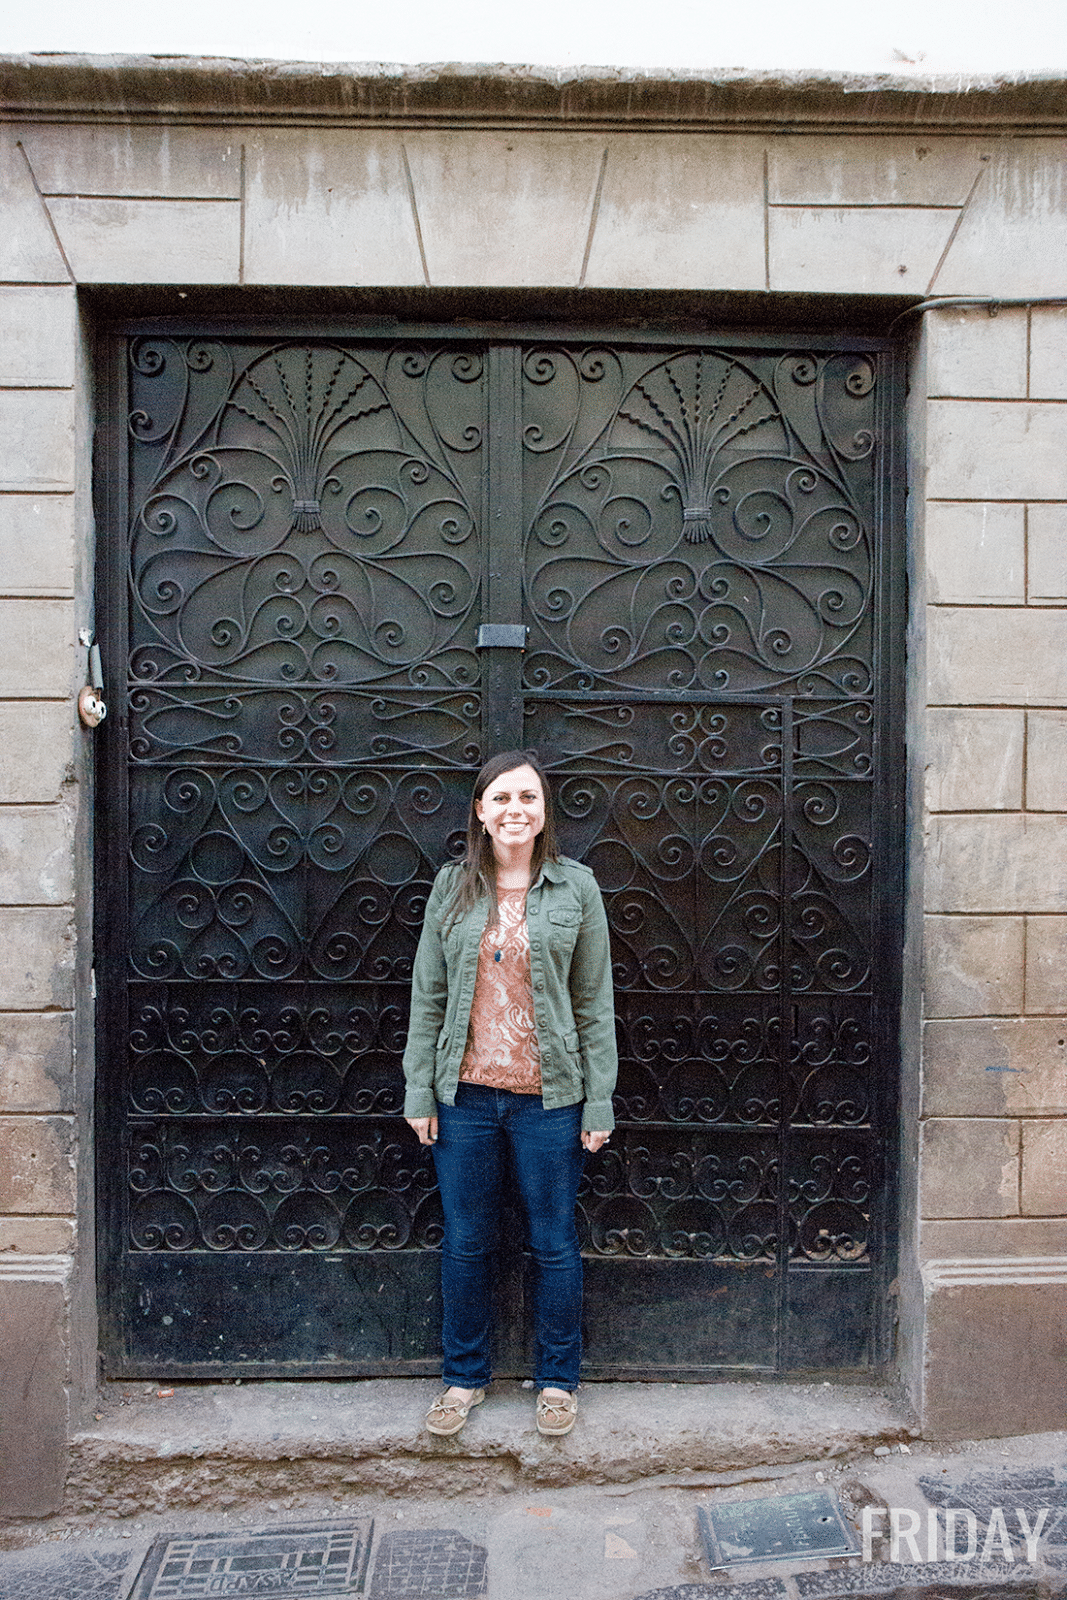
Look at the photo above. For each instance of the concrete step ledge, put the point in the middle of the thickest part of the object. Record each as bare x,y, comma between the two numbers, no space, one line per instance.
150,1450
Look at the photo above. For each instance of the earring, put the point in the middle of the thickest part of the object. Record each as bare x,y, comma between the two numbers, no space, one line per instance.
485,830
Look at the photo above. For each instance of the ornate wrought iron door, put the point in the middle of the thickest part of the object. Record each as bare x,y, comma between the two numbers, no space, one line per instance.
711,581
304,538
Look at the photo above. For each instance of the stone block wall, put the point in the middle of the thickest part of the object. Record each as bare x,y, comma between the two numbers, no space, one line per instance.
38,801
996,894
993,1192
267,200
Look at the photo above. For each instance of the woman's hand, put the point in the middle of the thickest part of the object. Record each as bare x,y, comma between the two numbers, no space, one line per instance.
593,1141
425,1127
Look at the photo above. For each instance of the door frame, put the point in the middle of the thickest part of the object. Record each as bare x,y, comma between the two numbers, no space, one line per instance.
503,598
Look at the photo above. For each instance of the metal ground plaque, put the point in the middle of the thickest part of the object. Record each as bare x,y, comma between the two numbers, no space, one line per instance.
783,1527
312,1559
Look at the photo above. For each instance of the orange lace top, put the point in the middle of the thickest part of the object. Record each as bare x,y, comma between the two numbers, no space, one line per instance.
502,1050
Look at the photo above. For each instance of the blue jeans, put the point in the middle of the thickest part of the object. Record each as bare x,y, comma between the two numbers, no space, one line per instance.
546,1158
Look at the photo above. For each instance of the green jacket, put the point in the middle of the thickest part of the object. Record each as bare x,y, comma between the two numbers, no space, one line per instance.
574,1006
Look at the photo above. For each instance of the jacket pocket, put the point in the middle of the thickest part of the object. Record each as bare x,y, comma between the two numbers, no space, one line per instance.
562,928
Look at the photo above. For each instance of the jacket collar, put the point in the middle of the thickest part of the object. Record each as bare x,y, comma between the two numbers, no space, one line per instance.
553,871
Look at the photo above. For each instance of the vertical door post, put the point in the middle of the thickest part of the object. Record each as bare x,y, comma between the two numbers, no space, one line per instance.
502,637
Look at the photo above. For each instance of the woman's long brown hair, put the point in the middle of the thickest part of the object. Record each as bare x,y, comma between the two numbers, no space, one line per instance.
478,875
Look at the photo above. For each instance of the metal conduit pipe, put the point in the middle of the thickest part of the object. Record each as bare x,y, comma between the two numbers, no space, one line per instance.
992,304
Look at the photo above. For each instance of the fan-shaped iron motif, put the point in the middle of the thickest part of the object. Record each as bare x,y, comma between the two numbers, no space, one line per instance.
692,540
317,530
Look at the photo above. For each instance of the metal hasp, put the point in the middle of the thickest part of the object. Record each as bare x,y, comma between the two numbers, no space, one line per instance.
341,570
503,681
503,636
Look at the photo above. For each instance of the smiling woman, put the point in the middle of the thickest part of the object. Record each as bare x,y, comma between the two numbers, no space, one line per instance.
512,814
511,1054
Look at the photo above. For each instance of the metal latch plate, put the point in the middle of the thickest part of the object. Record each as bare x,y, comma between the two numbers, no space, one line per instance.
502,636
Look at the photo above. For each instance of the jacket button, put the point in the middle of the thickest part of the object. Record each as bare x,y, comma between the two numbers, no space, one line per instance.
538,986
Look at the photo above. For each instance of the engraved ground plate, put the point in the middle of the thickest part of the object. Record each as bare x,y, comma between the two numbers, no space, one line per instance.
312,1559
436,1562
49,1574
780,1528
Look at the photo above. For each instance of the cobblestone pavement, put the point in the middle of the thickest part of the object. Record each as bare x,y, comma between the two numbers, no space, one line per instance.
973,1522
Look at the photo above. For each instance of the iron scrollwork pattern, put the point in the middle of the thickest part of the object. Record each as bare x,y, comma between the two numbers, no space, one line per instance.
699,570
304,701
310,523
699,521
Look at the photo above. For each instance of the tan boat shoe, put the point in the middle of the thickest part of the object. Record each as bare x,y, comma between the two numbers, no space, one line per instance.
448,1412
556,1411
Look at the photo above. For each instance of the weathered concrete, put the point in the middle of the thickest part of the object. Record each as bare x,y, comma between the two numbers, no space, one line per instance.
974,759
1013,235
149,241
972,353
973,966
37,641
1046,761
998,449
996,1067
35,1062
995,656
1047,553
38,741
28,250
609,1541
996,1346
329,206
680,209
38,969
37,1164
996,862
36,439
969,1168
176,163
994,1236
33,1376
37,336
1048,352
37,544
975,553
1046,963
814,169
1044,1166
36,856
37,1236
150,1453
873,249
221,87
504,207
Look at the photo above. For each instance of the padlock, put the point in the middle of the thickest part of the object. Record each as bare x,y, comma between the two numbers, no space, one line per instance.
91,708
